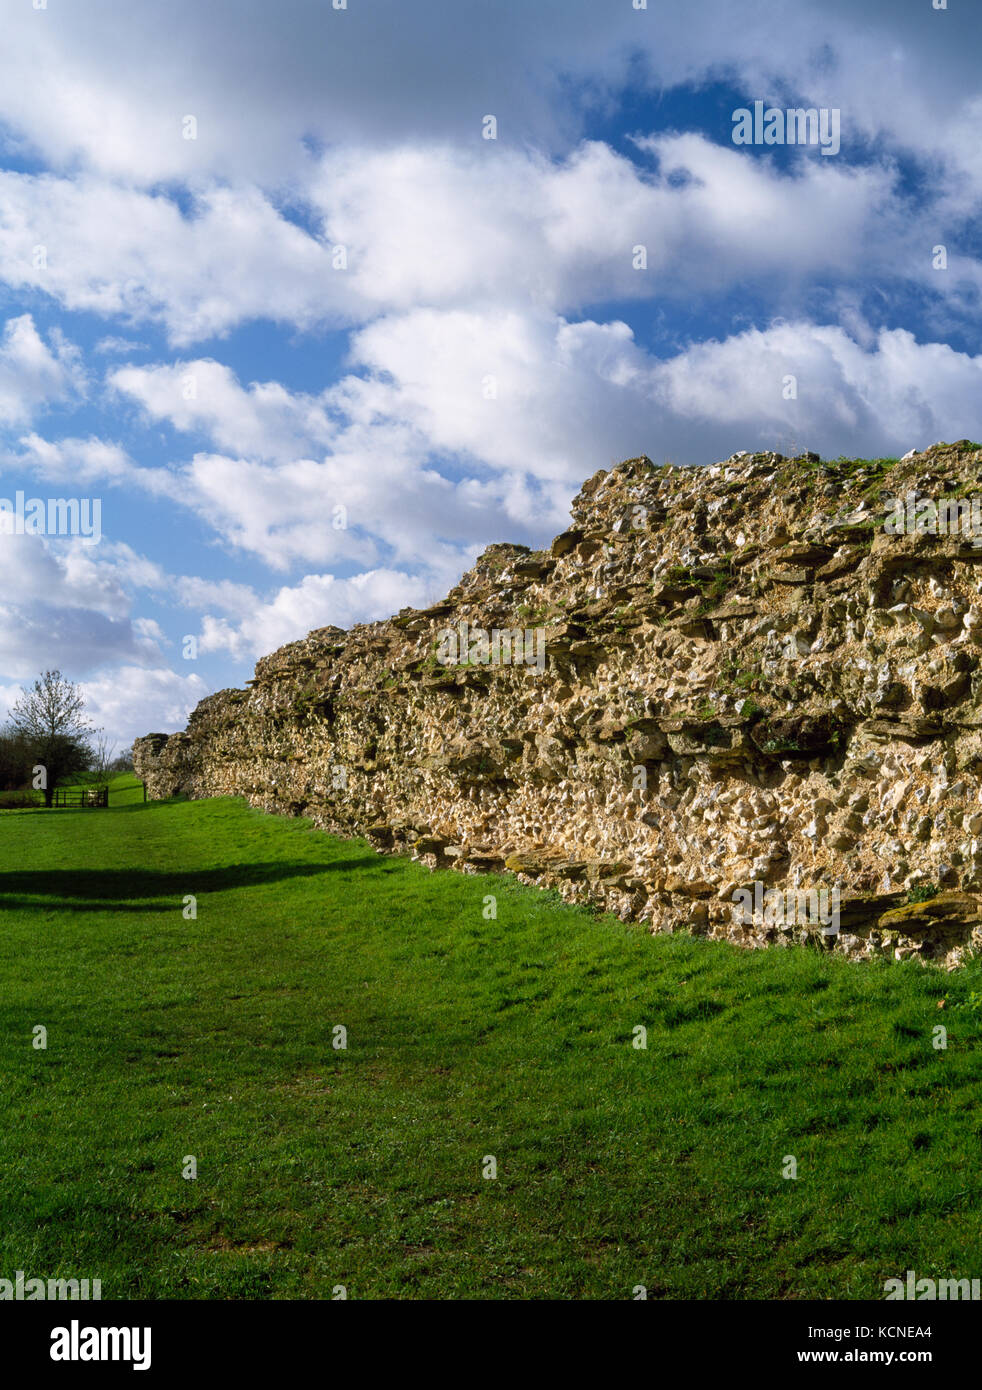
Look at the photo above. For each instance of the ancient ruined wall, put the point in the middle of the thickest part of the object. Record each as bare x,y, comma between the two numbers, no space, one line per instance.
746,680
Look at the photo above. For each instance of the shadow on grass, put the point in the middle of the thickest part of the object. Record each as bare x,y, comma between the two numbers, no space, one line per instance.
104,889
62,811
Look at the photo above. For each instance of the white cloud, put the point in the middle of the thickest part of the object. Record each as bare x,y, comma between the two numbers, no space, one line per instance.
444,227
33,372
83,461
263,421
468,426
572,396
86,87
853,400
66,607
479,393
237,599
135,256
130,701
114,346
441,226
61,607
374,491
111,91
319,600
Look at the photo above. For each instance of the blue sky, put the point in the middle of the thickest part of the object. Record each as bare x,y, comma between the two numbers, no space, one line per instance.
313,359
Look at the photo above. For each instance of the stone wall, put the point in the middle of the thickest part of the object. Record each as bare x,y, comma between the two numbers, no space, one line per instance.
747,680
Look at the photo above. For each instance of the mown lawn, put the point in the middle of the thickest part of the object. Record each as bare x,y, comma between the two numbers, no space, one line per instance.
466,1037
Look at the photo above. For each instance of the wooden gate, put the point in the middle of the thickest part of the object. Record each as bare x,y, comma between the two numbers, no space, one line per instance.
81,796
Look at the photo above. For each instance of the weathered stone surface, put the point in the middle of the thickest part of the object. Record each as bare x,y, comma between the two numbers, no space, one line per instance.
745,680
949,912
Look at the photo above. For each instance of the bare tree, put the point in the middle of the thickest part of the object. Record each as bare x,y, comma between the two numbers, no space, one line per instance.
49,718
103,758
123,762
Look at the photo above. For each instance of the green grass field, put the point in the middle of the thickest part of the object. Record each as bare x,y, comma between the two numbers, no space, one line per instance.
466,1037
124,791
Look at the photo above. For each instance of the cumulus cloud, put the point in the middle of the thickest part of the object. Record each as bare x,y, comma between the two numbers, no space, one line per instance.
34,373
893,395
84,461
443,226
319,600
263,83
60,607
571,396
376,492
123,253
446,227
130,701
264,420
466,426
63,606
266,83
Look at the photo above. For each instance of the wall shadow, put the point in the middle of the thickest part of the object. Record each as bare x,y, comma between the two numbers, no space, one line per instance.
103,889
